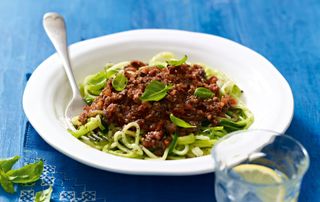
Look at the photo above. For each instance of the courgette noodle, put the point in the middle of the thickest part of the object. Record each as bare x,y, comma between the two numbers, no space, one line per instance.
126,141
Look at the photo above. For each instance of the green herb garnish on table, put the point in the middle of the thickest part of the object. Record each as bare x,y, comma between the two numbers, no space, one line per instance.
43,196
26,174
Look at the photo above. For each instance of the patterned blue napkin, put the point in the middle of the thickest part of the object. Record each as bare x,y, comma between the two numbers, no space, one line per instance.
73,181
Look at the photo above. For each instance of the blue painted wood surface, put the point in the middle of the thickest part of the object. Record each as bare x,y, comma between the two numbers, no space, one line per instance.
286,32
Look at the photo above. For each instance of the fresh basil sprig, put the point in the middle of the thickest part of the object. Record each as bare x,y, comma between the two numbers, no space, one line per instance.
155,91
178,62
204,93
179,122
6,184
43,196
6,164
119,82
26,174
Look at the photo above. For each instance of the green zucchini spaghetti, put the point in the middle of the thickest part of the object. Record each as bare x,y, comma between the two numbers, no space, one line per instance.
165,109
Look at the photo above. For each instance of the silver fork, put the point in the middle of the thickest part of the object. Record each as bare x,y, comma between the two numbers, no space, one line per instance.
96,137
55,28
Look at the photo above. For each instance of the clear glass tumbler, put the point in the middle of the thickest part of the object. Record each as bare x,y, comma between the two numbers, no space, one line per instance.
258,165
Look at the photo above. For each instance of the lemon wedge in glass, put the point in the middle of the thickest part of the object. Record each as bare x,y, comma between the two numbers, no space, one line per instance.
270,181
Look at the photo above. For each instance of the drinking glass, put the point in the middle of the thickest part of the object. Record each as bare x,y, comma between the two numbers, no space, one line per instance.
258,165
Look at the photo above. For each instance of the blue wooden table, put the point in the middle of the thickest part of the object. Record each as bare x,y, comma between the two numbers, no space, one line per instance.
286,32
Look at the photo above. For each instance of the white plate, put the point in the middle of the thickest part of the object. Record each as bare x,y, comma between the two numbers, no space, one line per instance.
266,92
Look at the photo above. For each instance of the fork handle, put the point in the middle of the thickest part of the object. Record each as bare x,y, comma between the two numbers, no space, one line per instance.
55,28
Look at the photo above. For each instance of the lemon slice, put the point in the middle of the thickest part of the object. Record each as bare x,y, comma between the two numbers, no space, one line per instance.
261,175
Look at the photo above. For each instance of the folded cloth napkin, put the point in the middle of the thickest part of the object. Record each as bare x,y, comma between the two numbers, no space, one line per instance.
73,181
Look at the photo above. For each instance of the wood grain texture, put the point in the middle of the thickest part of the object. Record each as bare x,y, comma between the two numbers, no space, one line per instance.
285,32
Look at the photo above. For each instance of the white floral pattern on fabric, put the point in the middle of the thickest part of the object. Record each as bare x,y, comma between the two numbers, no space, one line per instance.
67,196
48,169
88,196
47,181
26,196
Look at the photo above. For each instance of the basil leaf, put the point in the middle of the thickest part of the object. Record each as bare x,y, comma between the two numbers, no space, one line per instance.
115,69
26,174
179,122
155,91
6,164
43,196
6,184
178,62
119,82
204,93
